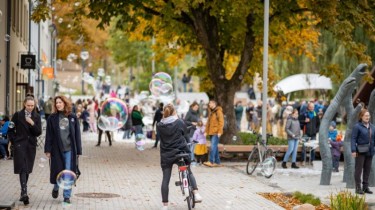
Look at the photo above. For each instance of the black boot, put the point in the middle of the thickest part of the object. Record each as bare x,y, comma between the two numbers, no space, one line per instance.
367,190
284,165
294,165
358,190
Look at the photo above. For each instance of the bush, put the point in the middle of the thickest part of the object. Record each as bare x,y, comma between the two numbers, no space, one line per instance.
250,139
346,200
307,198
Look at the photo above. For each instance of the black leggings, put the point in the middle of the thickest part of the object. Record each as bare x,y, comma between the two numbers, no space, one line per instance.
24,177
167,172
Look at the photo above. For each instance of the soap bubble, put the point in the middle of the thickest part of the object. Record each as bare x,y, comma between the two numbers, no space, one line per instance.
66,179
64,123
7,38
161,85
11,125
114,114
166,78
42,161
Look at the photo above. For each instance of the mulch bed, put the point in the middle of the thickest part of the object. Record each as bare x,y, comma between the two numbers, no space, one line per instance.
288,201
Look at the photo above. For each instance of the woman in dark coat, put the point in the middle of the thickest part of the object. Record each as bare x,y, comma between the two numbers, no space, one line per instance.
173,140
63,142
363,134
23,135
191,120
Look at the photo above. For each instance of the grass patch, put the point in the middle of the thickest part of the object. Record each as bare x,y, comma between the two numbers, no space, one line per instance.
307,198
348,201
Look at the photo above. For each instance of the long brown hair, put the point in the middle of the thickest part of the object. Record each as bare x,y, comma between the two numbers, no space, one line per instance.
67,105
168,111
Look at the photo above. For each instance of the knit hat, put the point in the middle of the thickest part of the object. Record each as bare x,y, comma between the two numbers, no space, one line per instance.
333,124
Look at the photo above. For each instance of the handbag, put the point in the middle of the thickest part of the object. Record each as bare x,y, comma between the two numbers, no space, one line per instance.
364,148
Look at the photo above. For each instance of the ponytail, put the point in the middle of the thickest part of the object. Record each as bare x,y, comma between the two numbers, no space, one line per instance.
168,110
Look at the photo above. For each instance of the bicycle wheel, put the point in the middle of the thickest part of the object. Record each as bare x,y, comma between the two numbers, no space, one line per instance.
268,166
253,161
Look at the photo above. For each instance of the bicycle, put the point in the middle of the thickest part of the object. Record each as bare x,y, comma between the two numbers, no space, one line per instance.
184,180
263,155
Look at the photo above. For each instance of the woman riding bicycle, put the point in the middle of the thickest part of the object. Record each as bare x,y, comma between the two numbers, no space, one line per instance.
173,141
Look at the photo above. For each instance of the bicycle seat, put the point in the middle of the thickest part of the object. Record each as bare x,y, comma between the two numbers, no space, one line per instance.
183,155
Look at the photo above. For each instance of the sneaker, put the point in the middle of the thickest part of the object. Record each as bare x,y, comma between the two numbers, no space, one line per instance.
164,208
55,193
209,164
197,198
66,200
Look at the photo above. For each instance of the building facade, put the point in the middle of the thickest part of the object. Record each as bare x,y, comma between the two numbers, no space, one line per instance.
22,36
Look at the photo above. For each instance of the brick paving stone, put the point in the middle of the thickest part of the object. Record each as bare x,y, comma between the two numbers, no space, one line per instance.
136,177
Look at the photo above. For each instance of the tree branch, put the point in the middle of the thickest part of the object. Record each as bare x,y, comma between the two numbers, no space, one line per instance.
247,52
295,11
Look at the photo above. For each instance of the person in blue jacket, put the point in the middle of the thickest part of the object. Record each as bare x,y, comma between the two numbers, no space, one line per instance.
363,134
4,123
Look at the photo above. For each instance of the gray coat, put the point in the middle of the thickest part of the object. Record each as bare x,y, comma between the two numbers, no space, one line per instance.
292,128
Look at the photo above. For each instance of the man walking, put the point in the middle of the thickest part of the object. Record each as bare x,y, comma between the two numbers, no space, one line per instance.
157,117
310,123
214,128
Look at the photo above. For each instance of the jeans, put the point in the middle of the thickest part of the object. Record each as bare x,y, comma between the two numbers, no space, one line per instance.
67,160
127,134
292,149
138,129
214,150
167,172
362,163
3,146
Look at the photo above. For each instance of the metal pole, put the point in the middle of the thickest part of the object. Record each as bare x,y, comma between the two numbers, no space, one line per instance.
82,82
175,82
29,74
265,69
38,83
153,57
7,62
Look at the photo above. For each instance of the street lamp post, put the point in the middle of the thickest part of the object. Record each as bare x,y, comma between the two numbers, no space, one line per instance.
84,56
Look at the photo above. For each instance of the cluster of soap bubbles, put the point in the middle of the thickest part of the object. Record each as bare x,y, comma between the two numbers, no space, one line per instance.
114,114
66,179
11,125
161,85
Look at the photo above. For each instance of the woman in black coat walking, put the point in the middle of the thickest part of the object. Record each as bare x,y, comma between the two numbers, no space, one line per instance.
173,140
23,135
63,142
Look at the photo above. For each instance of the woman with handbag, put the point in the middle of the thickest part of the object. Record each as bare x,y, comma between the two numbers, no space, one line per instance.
362,146
23,131
63,143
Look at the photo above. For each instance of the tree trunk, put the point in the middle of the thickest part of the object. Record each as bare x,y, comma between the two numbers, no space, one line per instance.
325,152
225,92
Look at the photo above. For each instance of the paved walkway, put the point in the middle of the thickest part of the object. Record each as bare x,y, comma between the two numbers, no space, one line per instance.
135,176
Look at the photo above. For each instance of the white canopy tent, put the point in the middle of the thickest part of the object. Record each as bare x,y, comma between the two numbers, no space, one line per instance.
303,82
